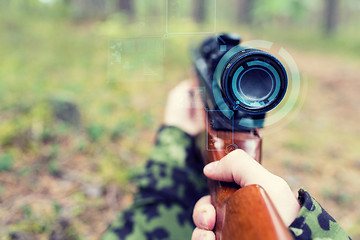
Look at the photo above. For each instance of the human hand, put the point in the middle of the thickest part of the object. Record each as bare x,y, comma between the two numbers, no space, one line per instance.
239,167
184,108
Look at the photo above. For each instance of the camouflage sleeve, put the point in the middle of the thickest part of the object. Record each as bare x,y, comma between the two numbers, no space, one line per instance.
168,189
313,222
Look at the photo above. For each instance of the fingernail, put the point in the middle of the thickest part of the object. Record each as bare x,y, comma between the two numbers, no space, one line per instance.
210,168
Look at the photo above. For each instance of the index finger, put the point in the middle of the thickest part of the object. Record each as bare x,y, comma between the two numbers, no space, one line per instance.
237,166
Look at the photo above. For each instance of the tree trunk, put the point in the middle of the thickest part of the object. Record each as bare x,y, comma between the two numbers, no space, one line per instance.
245,10
127,6
199,11
331,16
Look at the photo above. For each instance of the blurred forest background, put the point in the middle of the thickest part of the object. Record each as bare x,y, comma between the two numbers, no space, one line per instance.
83,84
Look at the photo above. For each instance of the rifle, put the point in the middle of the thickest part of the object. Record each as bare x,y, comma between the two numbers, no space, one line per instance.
240,85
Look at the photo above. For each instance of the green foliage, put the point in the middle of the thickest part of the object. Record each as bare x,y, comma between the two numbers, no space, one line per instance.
123,128
297,145
264,10
6,162
53,165
26,211
308,38
25,171
33,226
95,132
57,207
337,195
113,170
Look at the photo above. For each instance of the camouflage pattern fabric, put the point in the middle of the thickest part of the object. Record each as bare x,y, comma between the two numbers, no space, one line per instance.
168,189
313,222
172,182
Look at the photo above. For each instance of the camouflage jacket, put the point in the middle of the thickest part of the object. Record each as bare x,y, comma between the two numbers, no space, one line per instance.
172,182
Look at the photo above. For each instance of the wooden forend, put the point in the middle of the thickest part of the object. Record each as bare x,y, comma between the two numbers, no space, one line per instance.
245,213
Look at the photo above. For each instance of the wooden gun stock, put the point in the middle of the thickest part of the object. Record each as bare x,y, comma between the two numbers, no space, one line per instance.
245,213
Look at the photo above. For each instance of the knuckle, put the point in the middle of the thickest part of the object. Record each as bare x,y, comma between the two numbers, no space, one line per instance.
237,153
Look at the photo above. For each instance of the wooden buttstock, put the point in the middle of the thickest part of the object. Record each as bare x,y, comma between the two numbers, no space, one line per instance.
245,213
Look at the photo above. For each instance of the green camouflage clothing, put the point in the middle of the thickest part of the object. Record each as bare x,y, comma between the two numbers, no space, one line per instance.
313,222
168,188
172,182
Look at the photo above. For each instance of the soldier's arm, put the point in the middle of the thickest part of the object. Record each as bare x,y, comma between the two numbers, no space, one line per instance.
313,222
170,183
